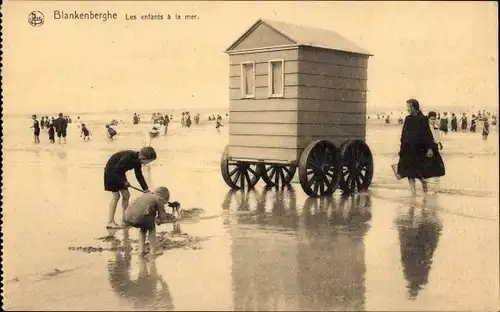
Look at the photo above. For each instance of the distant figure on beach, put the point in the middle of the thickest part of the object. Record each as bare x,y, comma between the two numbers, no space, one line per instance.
443,123
78,122
218,123
433,123
110,132
36,129
473,124
115,179
145,213
418,155
135,119
85,132
42,123
454,123
52,133
188,120
153,133
486,128
61,126
387,119
150,135
183,119
196,119
464,122
166,121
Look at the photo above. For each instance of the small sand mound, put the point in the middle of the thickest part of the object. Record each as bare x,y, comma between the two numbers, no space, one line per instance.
165,241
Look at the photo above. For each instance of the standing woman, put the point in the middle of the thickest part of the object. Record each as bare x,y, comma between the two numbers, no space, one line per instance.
418,155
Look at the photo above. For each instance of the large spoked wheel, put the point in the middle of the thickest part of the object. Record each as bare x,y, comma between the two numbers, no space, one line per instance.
238,175
276,174
357,166
319,168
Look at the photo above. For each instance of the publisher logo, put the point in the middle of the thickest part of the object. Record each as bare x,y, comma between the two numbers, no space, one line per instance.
36,18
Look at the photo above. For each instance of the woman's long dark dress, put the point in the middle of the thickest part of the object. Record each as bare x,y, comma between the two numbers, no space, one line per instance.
416,139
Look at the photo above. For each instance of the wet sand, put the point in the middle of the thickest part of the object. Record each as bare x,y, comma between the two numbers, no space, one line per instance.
263,249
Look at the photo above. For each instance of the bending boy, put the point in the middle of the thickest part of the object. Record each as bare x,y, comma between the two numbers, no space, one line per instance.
147,210
115,179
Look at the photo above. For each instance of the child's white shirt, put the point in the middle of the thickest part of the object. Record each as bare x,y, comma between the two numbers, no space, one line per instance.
435,133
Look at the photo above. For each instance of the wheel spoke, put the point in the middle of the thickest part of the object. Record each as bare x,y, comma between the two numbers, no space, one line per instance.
242,183
238,173
252,171
273,172
329,184
316,188
312,163
283,180
311,182
288,171
322,187
232,172
247,176
360,182
277,177
269,168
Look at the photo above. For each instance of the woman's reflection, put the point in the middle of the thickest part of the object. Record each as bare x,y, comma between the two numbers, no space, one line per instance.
331,252
419,231
144,291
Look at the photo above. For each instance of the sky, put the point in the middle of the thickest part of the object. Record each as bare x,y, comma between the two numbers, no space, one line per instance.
442,53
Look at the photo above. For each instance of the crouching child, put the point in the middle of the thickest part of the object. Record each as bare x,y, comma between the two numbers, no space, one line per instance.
148,211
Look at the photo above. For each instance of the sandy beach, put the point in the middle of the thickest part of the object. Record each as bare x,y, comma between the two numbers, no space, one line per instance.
371,251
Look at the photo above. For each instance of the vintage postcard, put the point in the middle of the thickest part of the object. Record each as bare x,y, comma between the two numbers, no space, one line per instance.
250,155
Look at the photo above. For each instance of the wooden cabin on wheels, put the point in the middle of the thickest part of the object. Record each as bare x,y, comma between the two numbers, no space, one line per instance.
297,101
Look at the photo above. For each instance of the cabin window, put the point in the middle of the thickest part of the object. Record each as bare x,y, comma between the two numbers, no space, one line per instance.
247,79
276,78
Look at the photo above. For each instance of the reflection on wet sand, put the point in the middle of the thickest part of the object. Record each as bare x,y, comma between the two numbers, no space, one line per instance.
419,231
332,253
144,291
317,264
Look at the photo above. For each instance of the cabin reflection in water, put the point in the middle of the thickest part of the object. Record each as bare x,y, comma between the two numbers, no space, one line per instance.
419,230
286,258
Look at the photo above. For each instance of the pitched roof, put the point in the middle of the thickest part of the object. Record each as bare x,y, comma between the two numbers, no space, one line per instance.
307,36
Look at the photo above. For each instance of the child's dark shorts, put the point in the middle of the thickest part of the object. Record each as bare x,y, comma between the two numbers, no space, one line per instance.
114,182
146,223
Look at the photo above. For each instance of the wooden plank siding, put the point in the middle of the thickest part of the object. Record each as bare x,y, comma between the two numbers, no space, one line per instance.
306,67
330,70
265,154
307,80
294,117
303,92
262,105
296,141
333,57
